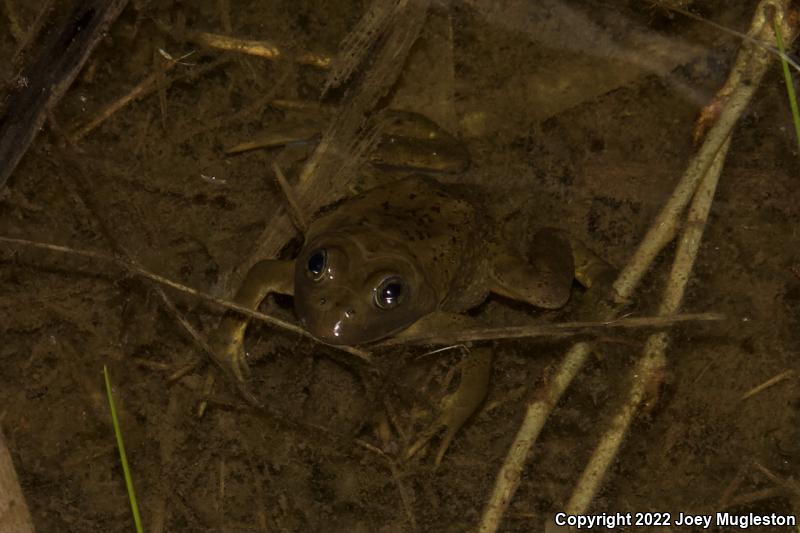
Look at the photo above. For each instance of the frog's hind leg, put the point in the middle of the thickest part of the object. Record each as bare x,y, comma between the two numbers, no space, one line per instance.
475,373
265,277
544,280
459,406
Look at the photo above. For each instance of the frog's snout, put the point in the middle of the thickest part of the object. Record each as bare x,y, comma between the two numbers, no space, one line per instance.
331,317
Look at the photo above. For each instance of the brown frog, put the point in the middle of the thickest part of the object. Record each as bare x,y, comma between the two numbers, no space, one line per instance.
405,259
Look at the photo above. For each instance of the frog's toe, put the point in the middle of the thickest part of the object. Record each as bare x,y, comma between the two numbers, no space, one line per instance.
230,355
238,364
459,406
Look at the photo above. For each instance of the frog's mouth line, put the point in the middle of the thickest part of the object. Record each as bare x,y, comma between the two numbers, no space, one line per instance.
371,341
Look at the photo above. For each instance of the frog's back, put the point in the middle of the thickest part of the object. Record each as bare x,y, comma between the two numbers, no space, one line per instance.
439,228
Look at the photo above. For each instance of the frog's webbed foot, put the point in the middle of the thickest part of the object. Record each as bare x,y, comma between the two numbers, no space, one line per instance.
265,277
458,407
591,270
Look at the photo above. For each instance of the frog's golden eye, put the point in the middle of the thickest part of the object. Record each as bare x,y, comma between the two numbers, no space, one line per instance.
317,263
390,292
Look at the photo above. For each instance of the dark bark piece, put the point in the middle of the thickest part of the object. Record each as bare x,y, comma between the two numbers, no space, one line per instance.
48,76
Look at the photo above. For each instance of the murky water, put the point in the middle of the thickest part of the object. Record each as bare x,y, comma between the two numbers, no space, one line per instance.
577,115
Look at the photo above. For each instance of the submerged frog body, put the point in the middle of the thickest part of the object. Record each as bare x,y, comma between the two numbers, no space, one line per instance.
377,263
406,257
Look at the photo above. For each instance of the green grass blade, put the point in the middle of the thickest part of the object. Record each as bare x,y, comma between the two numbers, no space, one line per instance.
122,457
787,76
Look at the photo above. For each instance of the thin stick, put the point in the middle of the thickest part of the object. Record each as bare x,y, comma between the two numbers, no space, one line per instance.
548,330
144,87
754,62
536,414
262,49
769,383
787,484
778,51
295,213
48,76
660,233
137,270
653,360
405,495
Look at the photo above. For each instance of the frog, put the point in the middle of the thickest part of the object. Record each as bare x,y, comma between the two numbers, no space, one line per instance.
403,259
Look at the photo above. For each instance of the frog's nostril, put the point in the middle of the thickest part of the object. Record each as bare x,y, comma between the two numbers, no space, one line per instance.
323,301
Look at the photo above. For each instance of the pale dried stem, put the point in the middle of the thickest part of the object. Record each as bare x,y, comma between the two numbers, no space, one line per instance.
262,49
295,213
653,362
139,271
748,72
559,329
750,67
536,414
144,87
660,233
786,374
321,180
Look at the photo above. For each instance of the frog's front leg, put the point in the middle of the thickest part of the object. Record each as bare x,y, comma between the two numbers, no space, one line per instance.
264,278
458,407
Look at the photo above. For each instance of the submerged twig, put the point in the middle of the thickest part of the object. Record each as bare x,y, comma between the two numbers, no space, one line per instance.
777,50
295,213
346,140
144,87
139,271
49,75
360,40
661,232
258,48
650,367
251,47
750,67
786,374
560,329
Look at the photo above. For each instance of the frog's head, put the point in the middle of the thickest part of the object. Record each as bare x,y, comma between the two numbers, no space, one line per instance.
354,289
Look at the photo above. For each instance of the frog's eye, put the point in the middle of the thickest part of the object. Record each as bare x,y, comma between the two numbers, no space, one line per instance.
317,263
390,292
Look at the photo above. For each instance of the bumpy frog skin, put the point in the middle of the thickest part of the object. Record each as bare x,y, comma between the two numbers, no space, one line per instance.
390,260
377,263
